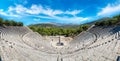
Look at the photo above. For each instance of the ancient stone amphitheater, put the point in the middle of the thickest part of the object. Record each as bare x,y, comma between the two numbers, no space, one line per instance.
95,44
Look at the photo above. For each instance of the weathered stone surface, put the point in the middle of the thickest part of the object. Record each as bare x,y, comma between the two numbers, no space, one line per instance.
95,44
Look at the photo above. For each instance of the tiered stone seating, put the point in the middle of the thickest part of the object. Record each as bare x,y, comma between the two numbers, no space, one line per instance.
95,44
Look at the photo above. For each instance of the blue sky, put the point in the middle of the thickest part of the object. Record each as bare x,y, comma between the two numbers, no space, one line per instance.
58,11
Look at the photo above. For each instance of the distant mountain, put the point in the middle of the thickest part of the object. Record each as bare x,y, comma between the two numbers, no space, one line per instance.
69,26
51,25
101,19
44,25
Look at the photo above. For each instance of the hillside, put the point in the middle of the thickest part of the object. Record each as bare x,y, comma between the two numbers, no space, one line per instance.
66,30
4,22
98,20
115,20
70,29
46,25
55,25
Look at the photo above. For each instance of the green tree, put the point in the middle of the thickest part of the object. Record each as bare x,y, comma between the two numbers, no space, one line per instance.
13,23
1,21
19,24
85,27
6,22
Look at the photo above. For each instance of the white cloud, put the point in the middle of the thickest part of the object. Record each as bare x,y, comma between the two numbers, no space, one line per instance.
73,12
51,12
10,14
34,9
18,9
110,9
46,17
2,13
37,10
67,19
72,19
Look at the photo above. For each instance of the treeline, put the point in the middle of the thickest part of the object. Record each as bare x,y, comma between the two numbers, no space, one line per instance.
53,31
9,23
109,22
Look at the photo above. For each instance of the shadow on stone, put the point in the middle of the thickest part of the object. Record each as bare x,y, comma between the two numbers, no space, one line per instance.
0,59
118,58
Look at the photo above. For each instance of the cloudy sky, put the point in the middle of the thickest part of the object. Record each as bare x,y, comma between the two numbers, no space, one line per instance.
58,11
